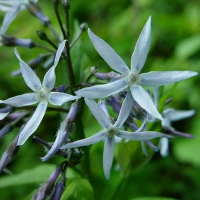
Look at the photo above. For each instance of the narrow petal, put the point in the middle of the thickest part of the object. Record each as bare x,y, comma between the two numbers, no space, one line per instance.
108,54
164,146
144,100
9,17
180,114
85,142
142,48
33,123
164,78
98,113
28,74
3,115
105,90
50,78
58,98
108,154
139,136
58,53
125,110
22,100
61,136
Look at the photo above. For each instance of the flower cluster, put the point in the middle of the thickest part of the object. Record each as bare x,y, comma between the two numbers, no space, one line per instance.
125,92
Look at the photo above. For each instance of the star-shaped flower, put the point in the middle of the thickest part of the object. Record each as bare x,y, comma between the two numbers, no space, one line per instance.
131,77
12,8
110,130
42,94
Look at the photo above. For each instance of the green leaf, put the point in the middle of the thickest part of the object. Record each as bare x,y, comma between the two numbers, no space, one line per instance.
153,198
78,189
130,157
38,174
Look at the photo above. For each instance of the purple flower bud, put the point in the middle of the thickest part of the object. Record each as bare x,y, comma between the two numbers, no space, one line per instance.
9,154
47,188
12,41
6,129
58,190
35,10
115,103
61,88
72,113
107,76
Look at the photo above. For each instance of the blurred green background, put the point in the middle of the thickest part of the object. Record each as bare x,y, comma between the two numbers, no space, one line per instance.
175,46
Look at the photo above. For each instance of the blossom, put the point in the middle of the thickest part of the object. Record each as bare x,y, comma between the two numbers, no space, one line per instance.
110,130
131,77
12,8
41,94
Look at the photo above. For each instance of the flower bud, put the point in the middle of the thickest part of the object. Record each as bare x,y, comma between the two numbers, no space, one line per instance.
6,129
83,26
12,41
35,10
61,88
60,185
72,113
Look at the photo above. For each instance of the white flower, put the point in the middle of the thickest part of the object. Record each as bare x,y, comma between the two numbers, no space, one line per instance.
132,77
12,8
111,130
42,94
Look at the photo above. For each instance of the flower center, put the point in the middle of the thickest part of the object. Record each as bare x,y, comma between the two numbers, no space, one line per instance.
132,78
43,94
111,131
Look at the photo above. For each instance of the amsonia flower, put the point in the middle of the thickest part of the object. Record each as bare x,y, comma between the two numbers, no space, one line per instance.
111,130
131,77
41,94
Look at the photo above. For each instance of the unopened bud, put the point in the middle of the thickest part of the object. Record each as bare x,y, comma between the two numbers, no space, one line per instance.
66,3
61,88
115,103
83,26
12,41
72,112
6,129
60,185
35,10
42,35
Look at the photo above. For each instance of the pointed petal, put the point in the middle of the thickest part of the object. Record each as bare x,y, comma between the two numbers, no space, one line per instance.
61,136
98,113
22,100
3,115
164,146
49,79
144,100
58,53
28,74
85,142
125,110
180,114
142,48
164,78
58,98
139,136
108,154
144,149
9,17
33,123
108,54
105,90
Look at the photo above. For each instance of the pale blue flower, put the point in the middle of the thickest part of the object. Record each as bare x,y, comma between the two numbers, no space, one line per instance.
3,115
110,130
41,94
12,8
131,77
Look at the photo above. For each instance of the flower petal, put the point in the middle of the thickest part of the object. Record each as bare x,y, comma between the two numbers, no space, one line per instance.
144,100
28,74
108,154
22,100
33,123
58,98
164,146
142,48
98,113
49,79
164,78
105,90
61,137
3,115
139,136
180,114
9,17
108,53
58,53
85,142
125,110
